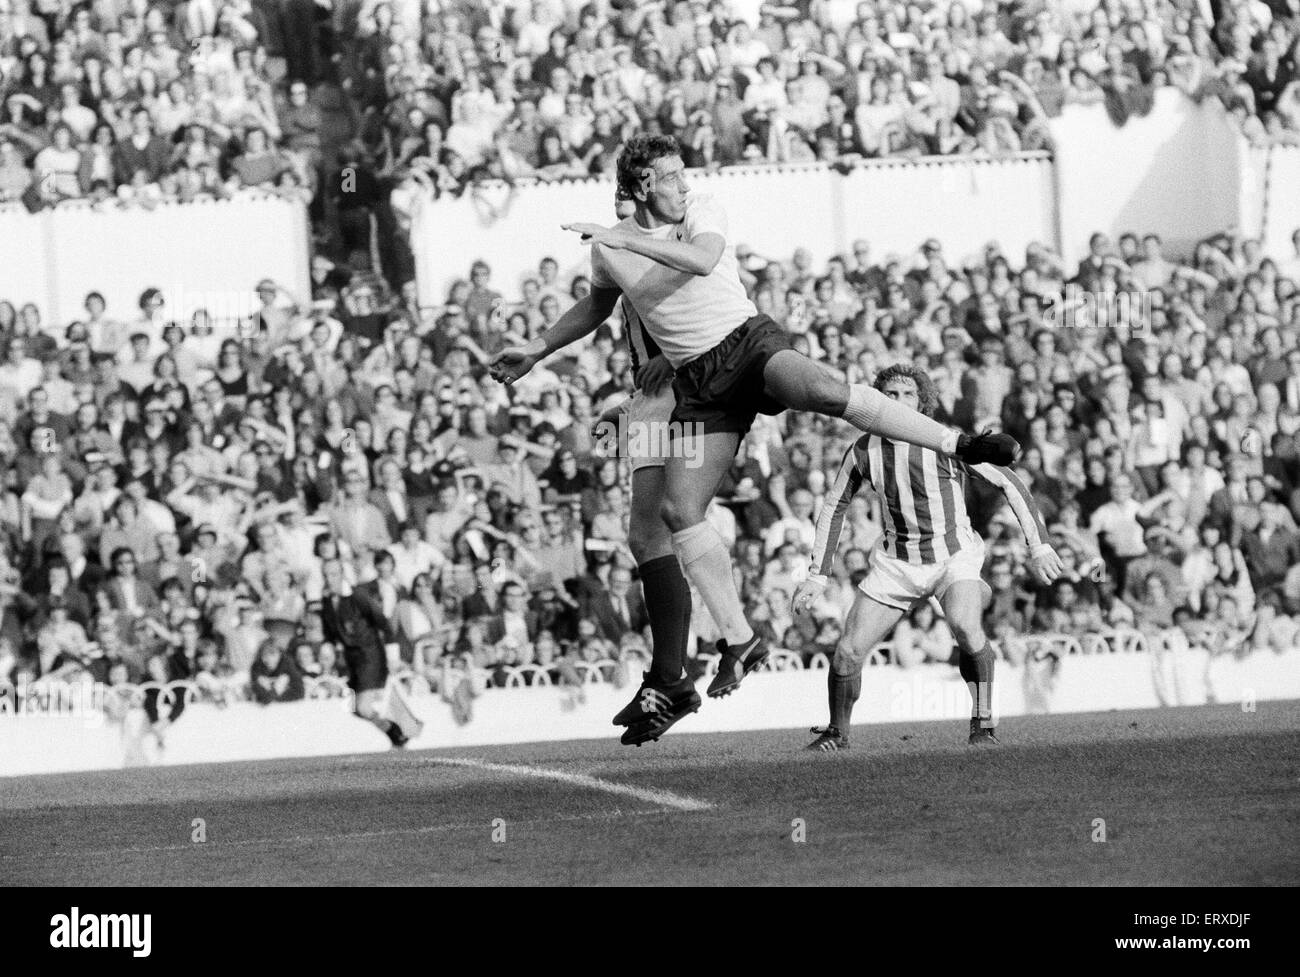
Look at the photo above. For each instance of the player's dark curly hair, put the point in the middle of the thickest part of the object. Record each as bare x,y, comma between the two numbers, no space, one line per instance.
927,396
638,155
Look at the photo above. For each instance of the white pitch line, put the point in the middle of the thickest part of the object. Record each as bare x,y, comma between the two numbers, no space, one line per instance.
651,795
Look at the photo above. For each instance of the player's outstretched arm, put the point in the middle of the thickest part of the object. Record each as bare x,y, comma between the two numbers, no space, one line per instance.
1043,560
830,522
586,315
698,256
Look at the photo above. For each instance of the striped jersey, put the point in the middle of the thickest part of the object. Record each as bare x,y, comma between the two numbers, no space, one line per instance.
640,344
922,500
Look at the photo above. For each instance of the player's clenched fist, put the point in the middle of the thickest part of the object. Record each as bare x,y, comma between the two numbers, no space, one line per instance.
512,363
1045,563
654,375
807,592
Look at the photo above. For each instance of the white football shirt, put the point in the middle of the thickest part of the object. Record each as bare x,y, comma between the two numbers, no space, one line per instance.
685,314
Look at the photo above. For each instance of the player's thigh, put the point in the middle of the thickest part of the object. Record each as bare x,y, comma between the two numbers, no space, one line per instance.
648,534
692,473
804,384
867,625
963,608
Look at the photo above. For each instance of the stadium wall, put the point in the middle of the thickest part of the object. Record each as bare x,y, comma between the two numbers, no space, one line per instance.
1274,176
774,700
895,204
1180,171
203,254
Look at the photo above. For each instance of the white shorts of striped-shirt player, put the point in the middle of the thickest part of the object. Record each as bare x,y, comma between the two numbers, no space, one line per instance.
898,583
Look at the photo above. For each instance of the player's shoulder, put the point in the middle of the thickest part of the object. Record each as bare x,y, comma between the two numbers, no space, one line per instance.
860,449
698,202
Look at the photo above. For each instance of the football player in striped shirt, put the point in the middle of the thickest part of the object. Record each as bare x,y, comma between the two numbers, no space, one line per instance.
928,549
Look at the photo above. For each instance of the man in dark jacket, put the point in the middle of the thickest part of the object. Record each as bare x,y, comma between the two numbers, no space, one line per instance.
356,624
274,677
142,150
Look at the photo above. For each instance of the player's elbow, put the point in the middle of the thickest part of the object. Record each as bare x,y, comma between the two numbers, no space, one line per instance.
706,259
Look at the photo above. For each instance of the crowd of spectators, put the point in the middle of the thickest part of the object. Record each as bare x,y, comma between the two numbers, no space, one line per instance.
355,105
172,488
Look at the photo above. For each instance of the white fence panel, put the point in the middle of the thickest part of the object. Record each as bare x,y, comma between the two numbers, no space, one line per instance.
204,254
1174,172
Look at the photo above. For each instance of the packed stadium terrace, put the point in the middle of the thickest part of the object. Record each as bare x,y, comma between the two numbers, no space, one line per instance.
128,103
172,491
171,481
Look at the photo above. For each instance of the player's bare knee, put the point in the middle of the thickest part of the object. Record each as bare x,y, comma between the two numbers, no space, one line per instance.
969,636
820,393
831,396
678,517
643,543
847,661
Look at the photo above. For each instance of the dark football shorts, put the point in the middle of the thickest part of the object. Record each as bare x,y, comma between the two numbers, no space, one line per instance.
367,670
723,388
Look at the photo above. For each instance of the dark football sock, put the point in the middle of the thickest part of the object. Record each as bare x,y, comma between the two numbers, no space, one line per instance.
668,602
844,692
977,671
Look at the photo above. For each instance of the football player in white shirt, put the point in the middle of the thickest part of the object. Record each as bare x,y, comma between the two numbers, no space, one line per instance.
640,424
672,261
